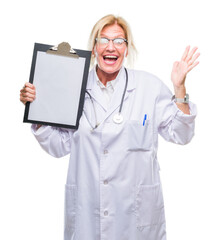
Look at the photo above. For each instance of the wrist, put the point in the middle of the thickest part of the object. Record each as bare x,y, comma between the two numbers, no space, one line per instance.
38,126
180,92
181,100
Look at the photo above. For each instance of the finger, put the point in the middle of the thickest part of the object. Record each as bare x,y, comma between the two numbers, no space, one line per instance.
185,53
29,90
30,85
192,66
192,52
29,95
26,99
22,90
24,102
27,85
23,99
194,58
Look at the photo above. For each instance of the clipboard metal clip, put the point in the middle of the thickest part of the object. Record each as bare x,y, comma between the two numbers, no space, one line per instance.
63,49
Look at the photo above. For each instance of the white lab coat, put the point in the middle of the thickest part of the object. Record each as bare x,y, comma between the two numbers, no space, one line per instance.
113,189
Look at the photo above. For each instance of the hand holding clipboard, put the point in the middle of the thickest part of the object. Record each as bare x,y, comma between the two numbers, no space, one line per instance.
59,75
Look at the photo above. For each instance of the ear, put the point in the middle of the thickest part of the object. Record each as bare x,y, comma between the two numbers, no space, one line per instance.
94,51
126,52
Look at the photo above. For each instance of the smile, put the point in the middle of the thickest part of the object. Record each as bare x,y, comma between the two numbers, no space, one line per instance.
110,59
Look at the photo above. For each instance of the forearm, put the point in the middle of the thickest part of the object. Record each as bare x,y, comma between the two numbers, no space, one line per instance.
180,93
54,141
176,126
184,107
173,124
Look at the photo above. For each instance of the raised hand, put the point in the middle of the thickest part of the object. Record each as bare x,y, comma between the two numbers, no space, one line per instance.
182,67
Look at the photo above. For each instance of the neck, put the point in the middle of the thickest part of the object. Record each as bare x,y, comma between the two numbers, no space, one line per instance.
105,77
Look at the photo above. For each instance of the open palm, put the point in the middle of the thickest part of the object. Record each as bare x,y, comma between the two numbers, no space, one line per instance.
185,65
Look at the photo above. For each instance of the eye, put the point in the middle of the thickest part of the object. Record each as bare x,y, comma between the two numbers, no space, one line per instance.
103,40
119,41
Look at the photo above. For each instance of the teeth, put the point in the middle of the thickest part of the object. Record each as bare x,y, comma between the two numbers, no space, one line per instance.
111,57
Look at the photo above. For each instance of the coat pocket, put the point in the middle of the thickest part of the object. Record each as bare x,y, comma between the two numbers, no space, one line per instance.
139,137
149,205
70,211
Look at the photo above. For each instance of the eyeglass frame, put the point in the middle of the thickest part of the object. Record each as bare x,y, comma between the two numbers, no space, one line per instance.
125,41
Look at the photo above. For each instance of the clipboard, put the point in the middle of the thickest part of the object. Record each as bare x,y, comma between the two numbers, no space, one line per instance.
59,74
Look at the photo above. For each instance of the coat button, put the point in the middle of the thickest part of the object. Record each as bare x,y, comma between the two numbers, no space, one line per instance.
105,213
106,182
105,151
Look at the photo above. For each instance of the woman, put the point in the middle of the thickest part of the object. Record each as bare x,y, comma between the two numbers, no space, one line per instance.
113,188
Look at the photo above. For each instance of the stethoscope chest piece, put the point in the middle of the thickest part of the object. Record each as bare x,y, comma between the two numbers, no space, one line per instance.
118,118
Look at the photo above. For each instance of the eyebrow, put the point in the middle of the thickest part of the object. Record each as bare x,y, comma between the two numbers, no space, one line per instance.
117,36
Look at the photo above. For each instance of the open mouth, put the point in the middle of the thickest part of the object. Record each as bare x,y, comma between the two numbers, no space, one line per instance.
110,59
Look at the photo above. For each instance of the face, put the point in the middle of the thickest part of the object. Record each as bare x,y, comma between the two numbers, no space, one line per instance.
110,58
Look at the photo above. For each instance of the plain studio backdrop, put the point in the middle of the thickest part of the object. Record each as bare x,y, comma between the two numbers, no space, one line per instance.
32,182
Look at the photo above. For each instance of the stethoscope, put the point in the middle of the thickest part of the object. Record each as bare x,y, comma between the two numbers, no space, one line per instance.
117,118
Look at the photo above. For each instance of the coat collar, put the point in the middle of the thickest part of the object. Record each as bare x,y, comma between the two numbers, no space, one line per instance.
97,94
92,78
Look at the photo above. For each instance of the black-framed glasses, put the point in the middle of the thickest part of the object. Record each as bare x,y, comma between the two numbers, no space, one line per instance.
118,42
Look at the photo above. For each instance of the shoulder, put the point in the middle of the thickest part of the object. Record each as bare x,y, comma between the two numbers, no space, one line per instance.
145,79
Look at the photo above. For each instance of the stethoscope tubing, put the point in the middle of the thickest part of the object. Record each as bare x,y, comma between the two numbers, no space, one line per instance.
123,96
121,105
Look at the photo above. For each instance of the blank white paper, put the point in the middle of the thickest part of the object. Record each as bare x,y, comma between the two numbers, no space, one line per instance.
58,82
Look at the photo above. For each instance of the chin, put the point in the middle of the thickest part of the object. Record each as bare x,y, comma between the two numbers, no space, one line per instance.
110,69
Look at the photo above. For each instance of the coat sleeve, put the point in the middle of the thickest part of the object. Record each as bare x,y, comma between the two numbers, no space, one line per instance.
173,125
55,141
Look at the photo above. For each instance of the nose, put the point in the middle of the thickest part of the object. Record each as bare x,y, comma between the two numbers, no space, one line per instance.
110,46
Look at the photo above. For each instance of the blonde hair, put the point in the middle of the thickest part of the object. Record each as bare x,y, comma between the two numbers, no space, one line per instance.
107,21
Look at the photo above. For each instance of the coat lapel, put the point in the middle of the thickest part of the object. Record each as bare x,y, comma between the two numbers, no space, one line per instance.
119,90
115,103
96,91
